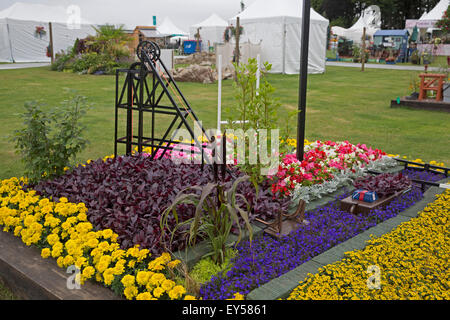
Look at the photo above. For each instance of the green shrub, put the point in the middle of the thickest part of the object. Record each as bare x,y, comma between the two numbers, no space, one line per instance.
50,140
63,61
104,52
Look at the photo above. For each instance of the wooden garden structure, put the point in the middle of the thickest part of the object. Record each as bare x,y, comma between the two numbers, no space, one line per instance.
431,82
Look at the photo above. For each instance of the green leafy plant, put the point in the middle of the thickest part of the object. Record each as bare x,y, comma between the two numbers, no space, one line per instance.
414,83
356,53
216,211
255,108
206,267
50,140
415,57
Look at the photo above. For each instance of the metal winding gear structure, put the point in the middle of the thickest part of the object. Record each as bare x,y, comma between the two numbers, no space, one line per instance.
149,88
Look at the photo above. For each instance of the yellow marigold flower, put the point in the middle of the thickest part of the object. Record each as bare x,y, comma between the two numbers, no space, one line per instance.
173,264
45,253
57,249
107,233
103,263
108,276
142,254
80,262
157,292
131,263
144,296
117,254
114,237
92,243
177,292
130,292
142,277
167,284
128,280
189,297
65,225
156,279
155,265
104,246
238,296
165,257
63,199
29,220
60,262
17,230
68,260
88,272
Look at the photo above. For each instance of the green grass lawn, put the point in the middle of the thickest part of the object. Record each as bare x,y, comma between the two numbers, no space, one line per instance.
343,104
5,293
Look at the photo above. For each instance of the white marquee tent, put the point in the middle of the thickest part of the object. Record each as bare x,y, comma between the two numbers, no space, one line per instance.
428,20
168,27
212,30
370,19
276,25
20,41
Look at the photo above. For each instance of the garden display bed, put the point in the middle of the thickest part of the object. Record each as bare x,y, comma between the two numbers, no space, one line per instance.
112,196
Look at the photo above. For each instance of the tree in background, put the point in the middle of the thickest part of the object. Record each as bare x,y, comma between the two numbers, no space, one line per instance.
395,12
444,23
345,13
339,12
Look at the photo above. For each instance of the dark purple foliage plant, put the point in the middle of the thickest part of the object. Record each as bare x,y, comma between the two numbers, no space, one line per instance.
384,185
129,194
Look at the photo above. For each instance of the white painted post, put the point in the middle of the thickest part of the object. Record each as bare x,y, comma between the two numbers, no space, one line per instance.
258,72
219,98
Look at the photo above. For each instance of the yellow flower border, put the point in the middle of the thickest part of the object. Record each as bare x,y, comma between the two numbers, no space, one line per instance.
412,262
61,230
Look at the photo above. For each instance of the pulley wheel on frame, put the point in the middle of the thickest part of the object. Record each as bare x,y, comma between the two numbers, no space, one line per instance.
138,66
150,48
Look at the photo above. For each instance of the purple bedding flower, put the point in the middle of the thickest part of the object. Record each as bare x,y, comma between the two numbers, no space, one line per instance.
268,258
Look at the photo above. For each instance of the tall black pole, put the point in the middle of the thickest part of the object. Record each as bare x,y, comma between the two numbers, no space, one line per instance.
306,17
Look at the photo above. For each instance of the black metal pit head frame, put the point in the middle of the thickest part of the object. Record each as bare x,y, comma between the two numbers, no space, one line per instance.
146,83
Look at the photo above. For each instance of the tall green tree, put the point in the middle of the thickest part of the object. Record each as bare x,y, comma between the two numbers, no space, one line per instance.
339,12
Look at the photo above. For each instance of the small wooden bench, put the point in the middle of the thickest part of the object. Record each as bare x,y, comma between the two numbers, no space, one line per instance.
431,82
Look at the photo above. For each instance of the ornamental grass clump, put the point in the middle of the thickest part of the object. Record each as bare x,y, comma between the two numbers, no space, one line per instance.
216,211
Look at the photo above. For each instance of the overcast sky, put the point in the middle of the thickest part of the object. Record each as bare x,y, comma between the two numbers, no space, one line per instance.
183,13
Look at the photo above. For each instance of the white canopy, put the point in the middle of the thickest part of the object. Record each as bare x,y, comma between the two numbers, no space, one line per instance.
370,19
437,12
168,27
428,20
20,40
276,25
211,30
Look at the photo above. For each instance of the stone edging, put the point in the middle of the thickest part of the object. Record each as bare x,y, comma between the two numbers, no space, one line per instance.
282,286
